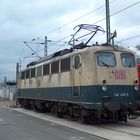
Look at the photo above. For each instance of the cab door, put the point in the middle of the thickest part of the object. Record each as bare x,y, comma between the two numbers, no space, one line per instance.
76,74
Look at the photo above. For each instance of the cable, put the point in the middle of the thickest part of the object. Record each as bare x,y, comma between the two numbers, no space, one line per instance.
51,44
64,25
93,23
78,18
133,37
128,28
60,47
34,52
122,29
126,8
93,12
119,11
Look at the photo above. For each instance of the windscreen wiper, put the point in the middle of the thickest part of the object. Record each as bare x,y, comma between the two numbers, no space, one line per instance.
104,64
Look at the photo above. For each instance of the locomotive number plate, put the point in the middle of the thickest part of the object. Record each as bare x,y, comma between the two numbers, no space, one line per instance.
123,94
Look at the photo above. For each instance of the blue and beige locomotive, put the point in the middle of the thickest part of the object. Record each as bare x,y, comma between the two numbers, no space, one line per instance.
86,82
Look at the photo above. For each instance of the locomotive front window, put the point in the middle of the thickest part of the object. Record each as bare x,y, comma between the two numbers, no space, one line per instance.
127,60
106,59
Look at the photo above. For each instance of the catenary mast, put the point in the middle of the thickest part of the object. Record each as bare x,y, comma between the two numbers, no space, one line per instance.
108,32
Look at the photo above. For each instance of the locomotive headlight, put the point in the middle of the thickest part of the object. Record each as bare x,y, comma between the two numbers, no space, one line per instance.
136,87
104,88
136,82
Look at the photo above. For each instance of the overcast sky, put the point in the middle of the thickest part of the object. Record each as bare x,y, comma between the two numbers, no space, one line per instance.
24,20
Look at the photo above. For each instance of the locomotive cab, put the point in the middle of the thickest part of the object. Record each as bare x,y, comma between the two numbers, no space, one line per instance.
117,78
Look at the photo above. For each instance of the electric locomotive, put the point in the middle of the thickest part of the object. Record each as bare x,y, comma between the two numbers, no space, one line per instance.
86,82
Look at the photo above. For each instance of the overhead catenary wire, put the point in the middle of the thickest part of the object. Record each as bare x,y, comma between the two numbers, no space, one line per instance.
58,28
134,26
51,44
93,12
136,3
64,25
132,37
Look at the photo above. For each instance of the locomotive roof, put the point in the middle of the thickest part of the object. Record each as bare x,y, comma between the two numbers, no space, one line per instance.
51,56
71,52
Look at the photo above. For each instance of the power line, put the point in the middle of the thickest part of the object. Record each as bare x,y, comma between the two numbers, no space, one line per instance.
64,25
119,11
93,23
128,28
60,47
51,45
123,29
34,52
133,37
93,12
126,8
70,35
75,20
58,28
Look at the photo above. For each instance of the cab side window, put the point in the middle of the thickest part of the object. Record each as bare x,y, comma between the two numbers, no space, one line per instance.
46,69
55,67
32,72
77,62
65,64
39,71
27,74
23,75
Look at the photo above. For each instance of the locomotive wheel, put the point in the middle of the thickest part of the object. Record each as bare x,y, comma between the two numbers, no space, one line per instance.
113,116
59,112
85,116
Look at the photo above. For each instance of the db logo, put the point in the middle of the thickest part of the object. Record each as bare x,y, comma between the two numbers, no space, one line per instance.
120,74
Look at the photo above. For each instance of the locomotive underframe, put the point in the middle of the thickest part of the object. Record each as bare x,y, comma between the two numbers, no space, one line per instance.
74,111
